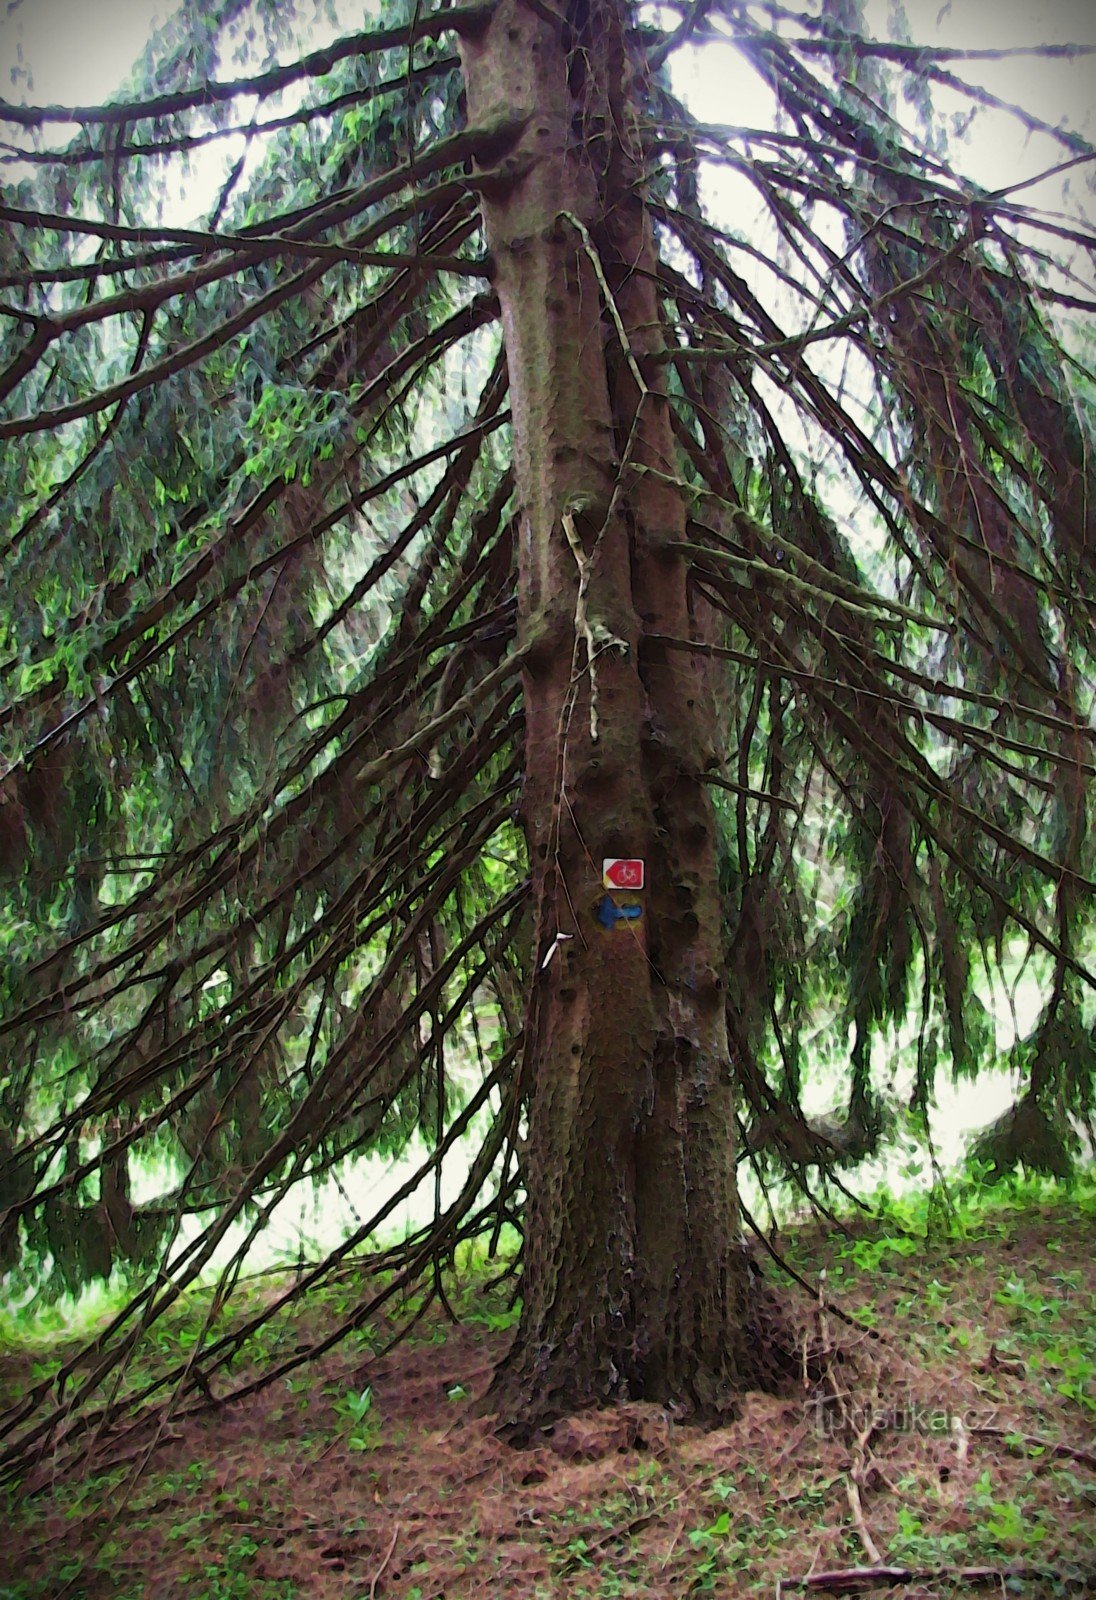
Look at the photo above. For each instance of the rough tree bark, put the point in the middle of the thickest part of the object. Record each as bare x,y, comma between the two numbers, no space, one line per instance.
635,1283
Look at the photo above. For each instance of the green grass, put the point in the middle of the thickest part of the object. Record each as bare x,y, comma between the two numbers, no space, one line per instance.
988,1292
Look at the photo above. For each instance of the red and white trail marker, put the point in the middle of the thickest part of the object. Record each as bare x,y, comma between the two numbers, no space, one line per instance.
622,872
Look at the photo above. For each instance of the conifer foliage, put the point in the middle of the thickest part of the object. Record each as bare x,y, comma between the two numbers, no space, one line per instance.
330,639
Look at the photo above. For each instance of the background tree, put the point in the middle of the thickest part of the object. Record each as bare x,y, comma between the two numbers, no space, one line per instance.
459,504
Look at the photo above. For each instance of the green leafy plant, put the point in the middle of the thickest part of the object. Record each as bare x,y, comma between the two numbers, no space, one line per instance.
717,1547
356,1409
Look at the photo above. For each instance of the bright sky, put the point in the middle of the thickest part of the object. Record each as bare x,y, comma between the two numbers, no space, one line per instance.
78,51
997,150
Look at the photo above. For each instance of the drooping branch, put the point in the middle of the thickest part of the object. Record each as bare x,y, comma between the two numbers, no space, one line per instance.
315,65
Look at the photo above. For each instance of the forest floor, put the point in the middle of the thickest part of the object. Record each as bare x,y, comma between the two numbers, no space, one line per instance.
961,1439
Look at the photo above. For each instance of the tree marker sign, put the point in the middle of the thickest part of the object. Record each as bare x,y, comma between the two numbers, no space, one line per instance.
622,872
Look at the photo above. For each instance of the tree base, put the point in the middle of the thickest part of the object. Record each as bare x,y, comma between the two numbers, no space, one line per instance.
532,1391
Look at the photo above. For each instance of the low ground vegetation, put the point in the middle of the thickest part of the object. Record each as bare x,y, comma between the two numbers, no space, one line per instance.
942,1424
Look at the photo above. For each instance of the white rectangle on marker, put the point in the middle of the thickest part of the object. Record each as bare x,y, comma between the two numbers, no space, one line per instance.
622,872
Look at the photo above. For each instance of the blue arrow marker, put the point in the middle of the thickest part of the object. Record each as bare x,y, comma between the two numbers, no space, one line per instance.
609,913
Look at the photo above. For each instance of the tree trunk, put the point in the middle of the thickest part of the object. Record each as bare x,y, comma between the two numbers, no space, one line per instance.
635,1283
